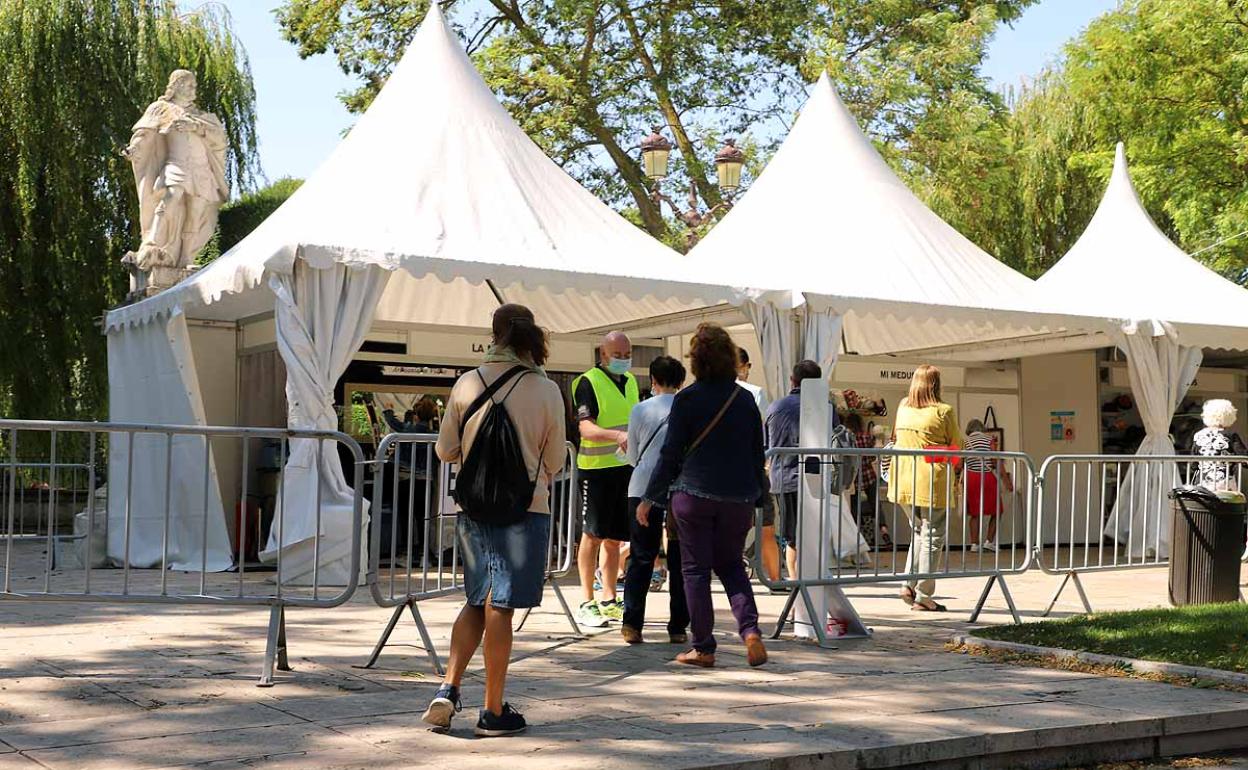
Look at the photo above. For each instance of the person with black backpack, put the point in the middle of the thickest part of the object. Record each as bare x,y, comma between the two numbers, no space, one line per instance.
504,426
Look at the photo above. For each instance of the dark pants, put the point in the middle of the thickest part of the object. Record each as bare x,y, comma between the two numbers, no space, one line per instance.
644,544
712,539
863,503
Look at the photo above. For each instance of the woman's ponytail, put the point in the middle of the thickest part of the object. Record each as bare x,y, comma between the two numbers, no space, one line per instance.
515,327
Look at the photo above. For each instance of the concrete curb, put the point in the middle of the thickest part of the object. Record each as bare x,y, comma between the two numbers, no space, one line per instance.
1147,666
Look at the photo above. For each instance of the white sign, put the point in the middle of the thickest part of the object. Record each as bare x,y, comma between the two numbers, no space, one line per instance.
1222,382
418,371
447,505
468,348
890,373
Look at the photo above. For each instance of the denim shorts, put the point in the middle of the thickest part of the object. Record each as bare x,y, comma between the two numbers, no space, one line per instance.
506,564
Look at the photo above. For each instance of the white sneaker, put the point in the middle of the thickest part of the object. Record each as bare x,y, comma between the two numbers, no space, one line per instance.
991,547
974,547
590,615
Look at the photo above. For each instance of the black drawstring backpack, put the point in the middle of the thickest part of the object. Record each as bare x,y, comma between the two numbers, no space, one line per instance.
493,484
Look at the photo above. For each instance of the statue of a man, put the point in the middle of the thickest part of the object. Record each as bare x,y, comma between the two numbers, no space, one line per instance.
178,154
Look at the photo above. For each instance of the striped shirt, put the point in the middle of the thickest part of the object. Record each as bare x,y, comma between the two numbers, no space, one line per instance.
980,442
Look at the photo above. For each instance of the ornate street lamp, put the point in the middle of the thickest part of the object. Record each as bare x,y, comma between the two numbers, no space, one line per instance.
655,150
655,153
728,163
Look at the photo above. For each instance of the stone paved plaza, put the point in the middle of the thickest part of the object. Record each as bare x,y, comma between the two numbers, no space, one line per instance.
85,686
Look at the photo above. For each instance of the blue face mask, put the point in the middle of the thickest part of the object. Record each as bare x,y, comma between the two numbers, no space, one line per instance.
619,366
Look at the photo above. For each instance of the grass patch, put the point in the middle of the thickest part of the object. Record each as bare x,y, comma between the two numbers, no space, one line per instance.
1212,635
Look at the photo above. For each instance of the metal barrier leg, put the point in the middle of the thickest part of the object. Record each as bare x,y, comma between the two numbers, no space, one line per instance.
1083,597
563,603
523,617
385,636
784,614
567,610
816,618
275,648
426,640
420,628
1005,592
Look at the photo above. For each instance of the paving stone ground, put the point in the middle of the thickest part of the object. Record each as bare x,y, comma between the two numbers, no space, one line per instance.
141,686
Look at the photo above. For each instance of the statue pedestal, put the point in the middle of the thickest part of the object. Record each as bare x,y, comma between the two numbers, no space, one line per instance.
150,283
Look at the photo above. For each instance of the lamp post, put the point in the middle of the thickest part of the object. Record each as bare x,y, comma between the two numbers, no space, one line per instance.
655,153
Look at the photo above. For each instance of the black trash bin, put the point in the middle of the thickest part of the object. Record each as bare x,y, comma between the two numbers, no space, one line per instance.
1205,545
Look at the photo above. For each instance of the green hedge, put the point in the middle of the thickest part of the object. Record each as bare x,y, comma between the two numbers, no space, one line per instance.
240,217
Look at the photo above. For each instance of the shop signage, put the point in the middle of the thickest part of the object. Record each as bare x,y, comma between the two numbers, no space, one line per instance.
1221,382
895,374
417,371
468,348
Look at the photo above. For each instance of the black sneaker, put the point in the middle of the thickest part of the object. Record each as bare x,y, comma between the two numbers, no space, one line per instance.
510,722
442,708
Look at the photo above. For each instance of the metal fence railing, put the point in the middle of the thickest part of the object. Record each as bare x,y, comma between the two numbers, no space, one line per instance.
127,513
1096,513
257,517
881,515
414,552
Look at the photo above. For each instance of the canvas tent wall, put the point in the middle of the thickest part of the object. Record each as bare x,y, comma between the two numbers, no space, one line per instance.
436,206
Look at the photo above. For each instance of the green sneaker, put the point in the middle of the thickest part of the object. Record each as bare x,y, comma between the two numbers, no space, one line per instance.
612,610
590,615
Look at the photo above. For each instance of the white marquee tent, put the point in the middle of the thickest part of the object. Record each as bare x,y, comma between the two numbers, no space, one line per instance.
433,208
1166,308
878,272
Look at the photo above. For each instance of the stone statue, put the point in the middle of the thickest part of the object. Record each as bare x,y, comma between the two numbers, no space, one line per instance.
178,154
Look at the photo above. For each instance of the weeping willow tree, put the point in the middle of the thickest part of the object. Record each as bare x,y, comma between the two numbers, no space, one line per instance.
74,77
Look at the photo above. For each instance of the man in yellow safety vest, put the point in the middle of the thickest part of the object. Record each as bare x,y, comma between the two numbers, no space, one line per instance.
603,398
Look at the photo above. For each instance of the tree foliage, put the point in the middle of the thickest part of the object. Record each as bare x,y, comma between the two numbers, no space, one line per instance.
1170,79
74,77
586,78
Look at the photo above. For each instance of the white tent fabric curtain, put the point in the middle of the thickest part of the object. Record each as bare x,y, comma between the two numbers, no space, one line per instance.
322,315
821,343
773,326
1161,370
821,338
169,486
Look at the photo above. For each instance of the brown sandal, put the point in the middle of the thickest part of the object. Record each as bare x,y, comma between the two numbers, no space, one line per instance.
934,607
908,596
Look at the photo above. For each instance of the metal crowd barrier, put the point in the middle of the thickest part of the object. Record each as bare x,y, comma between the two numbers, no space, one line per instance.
35,485
1096,513
108,553
855,512
414,552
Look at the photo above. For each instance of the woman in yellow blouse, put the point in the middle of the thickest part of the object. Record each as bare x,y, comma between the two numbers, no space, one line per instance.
926,491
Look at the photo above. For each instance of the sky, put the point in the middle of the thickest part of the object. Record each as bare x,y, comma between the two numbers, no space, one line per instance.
300,118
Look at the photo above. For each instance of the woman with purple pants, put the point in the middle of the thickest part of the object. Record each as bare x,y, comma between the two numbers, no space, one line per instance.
711,476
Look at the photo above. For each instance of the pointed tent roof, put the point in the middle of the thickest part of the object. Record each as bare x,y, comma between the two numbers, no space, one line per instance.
830,220
437,179
1124,267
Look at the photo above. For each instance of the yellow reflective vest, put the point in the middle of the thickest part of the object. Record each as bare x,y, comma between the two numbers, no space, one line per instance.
613,410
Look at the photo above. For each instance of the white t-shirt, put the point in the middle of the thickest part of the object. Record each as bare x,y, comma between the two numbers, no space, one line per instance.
760,396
